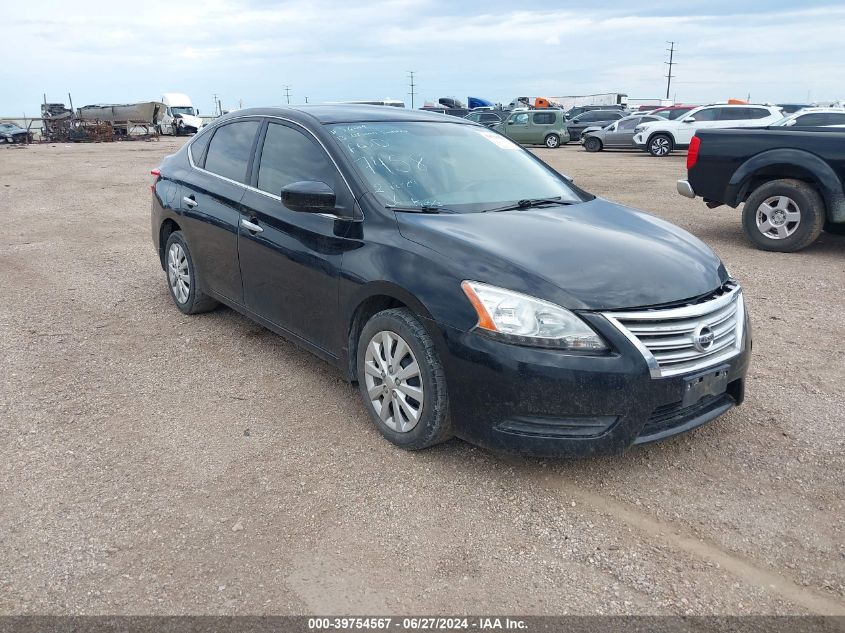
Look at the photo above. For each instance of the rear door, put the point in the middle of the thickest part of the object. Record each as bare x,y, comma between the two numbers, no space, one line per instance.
290,265
541,124
623,134
212,193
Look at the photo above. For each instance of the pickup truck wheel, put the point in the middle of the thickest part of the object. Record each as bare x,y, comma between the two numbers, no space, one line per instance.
783,216
660,145
592,144
552,141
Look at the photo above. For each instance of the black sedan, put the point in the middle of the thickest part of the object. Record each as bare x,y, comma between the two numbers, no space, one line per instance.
464,285
592,118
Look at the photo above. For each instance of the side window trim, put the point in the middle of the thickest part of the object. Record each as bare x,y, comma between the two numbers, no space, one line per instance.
252,170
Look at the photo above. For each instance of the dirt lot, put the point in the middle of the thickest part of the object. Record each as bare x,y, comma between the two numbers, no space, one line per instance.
156,463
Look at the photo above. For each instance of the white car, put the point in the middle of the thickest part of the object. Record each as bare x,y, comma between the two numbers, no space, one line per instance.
814,117
661,137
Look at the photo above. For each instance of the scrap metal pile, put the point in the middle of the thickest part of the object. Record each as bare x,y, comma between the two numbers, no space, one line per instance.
100,124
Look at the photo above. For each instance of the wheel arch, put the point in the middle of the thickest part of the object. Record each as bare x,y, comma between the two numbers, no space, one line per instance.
660,133
167,227
793,164
371,299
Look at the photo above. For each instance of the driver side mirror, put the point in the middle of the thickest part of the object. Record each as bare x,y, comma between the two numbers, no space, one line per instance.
689,119
309,196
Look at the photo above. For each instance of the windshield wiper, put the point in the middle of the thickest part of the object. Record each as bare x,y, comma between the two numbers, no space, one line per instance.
529,203
426,208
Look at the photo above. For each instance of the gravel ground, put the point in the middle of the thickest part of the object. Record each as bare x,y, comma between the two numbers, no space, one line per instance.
154,463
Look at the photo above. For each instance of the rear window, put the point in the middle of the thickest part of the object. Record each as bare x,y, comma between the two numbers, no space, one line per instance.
544,118
230,149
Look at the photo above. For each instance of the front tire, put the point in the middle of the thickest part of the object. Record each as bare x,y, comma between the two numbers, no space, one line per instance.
552,141
783,216
402,382
592,144
182,277
660,145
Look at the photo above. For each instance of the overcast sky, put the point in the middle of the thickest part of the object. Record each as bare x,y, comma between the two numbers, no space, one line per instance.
332,50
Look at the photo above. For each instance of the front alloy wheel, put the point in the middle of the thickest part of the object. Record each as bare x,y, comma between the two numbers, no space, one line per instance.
393,380
660,146
778,217
402,380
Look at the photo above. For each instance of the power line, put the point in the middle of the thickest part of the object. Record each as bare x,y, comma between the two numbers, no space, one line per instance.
287,94
671,63
411,76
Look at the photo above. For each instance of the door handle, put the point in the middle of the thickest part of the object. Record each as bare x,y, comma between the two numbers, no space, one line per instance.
189,202
251,226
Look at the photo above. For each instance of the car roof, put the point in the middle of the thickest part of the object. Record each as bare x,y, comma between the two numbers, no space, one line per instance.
346,113
823,109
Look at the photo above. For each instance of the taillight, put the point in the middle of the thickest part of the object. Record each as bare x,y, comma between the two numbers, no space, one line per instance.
157,174
692,154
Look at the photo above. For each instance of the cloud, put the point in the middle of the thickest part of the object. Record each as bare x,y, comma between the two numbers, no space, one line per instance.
330,50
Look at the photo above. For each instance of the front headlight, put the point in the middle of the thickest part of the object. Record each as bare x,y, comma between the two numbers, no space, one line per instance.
524,320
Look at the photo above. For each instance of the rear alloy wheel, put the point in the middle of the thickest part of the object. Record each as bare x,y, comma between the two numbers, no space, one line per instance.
783,215
401,380
182,277
552,141
660,145
592,144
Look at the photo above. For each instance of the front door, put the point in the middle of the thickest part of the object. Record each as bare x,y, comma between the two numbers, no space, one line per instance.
290,264
211,196
517,127
622,134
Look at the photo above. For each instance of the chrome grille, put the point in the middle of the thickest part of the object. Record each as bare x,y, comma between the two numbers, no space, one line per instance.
677,340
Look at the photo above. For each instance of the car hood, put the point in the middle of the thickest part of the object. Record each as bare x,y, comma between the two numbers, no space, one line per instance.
192,121
591,256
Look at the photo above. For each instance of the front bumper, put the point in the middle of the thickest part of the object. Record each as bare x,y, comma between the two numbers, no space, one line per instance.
639,140
545,402
685,189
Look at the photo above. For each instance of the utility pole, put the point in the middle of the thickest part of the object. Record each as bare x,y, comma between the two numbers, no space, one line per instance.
412,84
216,107
287,94
671,63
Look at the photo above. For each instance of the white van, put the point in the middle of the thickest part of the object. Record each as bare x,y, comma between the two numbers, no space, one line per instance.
180,116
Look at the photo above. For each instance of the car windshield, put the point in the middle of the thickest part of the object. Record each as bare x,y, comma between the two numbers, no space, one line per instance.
465,168
182,110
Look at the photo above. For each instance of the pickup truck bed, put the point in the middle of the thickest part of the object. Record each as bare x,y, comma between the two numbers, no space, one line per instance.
791,180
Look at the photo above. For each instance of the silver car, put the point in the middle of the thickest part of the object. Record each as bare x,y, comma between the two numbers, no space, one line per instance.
617,135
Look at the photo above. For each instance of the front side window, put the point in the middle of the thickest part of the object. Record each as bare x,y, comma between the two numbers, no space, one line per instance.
290,156
676,113
630,124
521,119
461,167
230,149
707,114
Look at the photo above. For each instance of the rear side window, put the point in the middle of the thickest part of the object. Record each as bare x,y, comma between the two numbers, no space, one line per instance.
757,113
490,117
290,156
230,149
544,118
197,148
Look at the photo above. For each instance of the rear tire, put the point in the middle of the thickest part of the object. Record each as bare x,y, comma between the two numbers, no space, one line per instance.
552,141
592,144
660,145
783,216
183,280
409,405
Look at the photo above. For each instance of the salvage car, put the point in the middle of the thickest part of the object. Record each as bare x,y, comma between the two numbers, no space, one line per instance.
791,180
467,287
617,135
536,127
12,133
